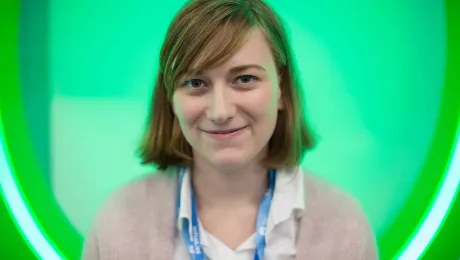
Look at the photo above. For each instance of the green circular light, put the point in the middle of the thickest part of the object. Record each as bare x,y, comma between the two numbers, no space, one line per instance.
29,199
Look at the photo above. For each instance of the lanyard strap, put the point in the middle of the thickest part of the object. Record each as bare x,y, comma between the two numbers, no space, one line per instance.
193,243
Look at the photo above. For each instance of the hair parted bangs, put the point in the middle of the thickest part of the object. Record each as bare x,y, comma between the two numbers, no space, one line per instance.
205,34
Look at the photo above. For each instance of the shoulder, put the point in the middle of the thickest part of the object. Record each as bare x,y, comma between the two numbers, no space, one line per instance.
147,188
147,192
338,216
134,214
331,199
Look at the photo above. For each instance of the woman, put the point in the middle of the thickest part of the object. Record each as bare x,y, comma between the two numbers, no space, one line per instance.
227,132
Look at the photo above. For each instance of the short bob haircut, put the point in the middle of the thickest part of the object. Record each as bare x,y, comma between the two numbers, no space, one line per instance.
214,30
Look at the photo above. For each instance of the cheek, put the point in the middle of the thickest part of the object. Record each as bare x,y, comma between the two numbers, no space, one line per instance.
263,102
187,109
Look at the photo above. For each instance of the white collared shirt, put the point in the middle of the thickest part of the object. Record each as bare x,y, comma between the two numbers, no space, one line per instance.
287,204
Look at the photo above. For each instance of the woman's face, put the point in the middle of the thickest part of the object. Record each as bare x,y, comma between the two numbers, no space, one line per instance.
228,113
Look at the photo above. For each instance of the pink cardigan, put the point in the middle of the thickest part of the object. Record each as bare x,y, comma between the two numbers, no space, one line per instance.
138,222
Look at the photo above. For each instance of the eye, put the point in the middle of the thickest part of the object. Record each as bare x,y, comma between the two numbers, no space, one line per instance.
193,83
246,79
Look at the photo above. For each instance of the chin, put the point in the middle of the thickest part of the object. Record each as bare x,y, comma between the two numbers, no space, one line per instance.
229,160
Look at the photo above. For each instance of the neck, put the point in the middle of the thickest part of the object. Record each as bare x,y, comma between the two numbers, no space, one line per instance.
216,188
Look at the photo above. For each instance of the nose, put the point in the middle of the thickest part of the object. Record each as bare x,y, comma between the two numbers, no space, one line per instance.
222,107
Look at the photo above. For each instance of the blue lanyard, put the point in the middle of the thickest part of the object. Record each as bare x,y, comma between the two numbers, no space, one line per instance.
193,243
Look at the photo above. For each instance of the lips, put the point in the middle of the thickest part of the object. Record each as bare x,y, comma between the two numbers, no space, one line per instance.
224,132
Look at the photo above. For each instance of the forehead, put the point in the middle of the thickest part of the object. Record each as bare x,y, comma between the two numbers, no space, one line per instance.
256,50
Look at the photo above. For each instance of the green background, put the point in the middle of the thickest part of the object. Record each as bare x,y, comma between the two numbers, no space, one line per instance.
374,75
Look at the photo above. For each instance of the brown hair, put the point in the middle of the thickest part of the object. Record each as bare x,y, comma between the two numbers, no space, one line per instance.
214,30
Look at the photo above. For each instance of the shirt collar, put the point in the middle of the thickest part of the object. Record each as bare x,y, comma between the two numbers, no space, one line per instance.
185,211
288,198
299,202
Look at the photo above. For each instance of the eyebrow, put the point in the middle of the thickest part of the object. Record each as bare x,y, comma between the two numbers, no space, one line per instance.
239,68
245,67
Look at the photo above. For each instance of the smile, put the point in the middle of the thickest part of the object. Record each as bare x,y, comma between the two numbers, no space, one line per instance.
226,134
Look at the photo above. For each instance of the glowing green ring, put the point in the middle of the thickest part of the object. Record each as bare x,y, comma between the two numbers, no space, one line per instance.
438,211
44,246
22,217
